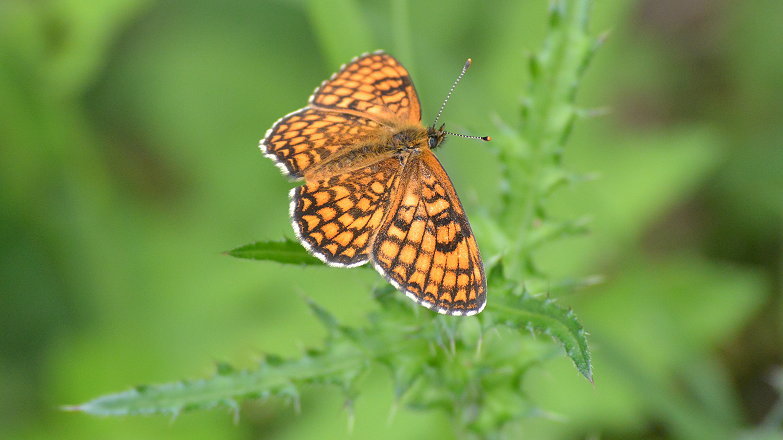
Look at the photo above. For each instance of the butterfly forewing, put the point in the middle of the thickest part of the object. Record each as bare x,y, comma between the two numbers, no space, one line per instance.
374,84
308,137
426,247
337,218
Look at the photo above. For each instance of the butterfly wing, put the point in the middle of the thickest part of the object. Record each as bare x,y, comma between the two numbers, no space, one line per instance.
374,85
370,92
309,136
425,246
336,219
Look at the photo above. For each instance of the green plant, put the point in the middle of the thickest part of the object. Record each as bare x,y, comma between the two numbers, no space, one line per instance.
471,368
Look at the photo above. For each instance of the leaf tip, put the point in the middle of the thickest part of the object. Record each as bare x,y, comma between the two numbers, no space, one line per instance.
588,374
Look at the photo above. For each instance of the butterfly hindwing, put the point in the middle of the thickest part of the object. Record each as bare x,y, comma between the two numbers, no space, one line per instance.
336,219
425,247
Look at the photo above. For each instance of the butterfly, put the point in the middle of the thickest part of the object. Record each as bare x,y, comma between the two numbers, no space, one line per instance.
374,191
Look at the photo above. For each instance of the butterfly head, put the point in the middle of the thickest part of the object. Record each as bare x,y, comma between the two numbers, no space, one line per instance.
435,136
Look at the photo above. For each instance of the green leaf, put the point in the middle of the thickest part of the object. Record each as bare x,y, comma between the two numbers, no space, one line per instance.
544,316
286,251
337,364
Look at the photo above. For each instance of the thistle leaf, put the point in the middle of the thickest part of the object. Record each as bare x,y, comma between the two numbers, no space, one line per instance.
526,312
336,364
286,252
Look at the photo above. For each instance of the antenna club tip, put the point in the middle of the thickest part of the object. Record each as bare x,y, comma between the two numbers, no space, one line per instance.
468,62
486,138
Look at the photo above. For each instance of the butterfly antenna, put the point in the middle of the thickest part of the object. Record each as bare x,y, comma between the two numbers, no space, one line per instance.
481,138
448,96
451,90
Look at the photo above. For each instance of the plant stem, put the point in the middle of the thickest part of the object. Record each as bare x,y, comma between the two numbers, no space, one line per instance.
547,116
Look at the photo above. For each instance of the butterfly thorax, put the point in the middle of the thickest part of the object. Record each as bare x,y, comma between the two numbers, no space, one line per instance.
408,138
399,141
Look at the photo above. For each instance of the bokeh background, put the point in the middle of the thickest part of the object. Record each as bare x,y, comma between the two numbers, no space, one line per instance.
128,163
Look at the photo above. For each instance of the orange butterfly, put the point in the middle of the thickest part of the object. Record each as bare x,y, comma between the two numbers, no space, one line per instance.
373,189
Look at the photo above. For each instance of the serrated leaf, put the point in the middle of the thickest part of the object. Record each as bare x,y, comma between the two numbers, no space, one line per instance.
545,316
286,252
339,366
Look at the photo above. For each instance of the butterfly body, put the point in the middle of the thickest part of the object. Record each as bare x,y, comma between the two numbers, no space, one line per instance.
393,139
374,191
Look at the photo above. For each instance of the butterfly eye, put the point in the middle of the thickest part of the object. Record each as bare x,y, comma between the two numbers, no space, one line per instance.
433,141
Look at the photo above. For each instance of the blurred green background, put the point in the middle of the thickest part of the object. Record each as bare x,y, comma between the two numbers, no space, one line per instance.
129,161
